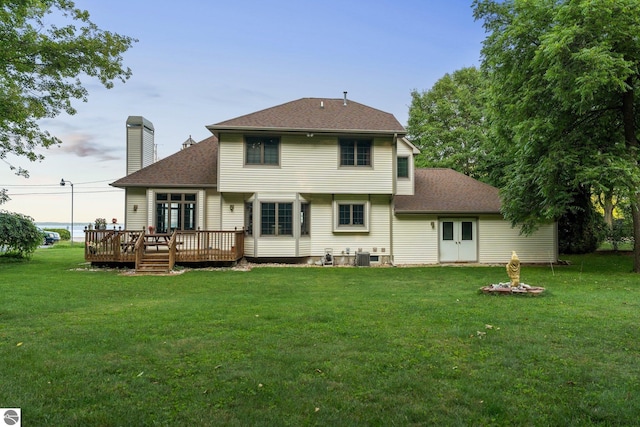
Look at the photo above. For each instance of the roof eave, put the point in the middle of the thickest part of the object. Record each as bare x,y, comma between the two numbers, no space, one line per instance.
217,129
160,185
443,212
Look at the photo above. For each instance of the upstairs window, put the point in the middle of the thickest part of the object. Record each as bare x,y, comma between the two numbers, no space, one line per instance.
403,167
355,152
262,150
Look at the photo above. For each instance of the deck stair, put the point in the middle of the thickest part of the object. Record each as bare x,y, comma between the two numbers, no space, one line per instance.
155,259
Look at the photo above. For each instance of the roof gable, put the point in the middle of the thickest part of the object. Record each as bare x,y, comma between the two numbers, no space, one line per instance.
446,191
316,114
194,166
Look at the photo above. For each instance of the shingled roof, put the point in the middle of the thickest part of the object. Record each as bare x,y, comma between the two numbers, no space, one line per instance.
445,191
316,115
195,166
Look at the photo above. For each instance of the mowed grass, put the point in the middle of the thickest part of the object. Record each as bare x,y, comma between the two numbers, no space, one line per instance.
319,346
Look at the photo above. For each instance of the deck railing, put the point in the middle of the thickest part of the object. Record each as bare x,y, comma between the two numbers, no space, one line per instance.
127,246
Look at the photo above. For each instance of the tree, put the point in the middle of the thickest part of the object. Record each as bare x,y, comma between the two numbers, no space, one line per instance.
581,229
563,77
448,123
18,234
41,64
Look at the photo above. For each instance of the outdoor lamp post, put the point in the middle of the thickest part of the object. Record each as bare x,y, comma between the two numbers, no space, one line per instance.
62,183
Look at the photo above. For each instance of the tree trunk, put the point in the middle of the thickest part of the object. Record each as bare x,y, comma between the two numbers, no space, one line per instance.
608,210
635,211
628,120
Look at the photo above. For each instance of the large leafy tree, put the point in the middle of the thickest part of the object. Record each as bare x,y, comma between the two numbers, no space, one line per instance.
564,76
47,47
447,123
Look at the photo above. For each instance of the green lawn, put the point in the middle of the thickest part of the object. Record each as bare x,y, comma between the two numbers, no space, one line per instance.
319,346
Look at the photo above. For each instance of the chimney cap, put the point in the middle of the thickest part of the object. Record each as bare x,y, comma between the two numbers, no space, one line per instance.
134,121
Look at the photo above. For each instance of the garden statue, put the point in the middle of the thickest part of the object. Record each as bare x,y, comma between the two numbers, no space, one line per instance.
513,287
513,270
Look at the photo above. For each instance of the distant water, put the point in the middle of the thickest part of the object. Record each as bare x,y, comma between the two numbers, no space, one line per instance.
78,229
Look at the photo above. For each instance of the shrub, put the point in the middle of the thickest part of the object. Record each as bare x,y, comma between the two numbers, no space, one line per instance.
18,234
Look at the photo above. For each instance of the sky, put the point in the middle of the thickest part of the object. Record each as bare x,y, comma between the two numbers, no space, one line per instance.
200,62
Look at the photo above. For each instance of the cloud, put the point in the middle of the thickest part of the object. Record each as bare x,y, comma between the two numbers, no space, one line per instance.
84,145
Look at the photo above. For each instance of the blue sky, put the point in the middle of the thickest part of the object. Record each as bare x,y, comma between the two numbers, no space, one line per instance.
200,62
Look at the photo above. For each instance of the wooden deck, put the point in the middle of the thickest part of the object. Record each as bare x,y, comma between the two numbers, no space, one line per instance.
133,246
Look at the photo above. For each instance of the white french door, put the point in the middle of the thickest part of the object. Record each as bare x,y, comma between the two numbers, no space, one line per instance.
458,242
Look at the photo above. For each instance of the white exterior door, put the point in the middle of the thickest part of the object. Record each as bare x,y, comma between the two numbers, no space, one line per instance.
458,241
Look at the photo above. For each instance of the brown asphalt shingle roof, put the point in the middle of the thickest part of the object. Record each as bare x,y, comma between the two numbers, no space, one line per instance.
195,166
450,192
316,115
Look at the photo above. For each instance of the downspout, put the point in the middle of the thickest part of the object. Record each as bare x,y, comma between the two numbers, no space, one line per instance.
392,201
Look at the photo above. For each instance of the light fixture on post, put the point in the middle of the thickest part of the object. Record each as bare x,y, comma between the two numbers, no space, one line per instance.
62,183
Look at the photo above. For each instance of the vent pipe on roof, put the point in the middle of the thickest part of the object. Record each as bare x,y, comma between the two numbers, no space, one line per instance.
345,98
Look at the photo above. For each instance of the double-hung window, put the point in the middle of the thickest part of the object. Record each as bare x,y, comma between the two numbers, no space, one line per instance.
351,215
276,219
403,167
261,150
355,152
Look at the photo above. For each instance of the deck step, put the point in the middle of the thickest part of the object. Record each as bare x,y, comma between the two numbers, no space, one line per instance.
153,262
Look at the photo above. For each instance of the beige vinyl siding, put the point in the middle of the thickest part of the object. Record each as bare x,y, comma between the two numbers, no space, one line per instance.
201,207
405,186
134,149
414,240
376,241
497,239
135,220
249,246
212,207
147,148
307,165
273,247
232,220
304,246
140,148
